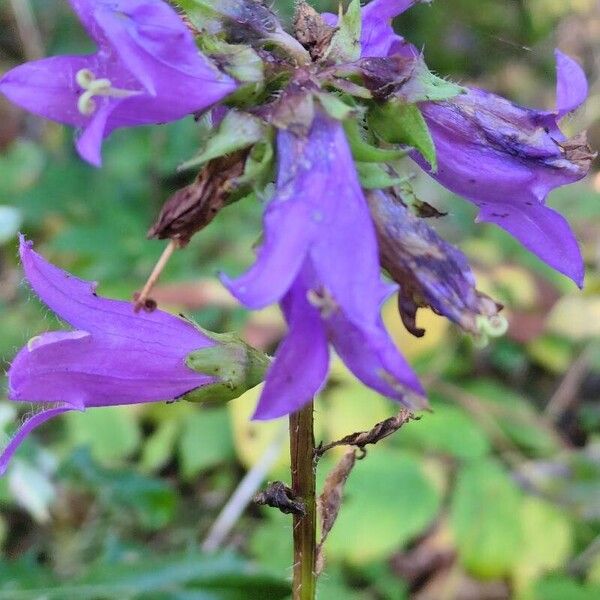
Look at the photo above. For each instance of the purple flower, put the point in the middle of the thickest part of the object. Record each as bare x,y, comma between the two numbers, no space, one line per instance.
302,361
502,157
147,70
378,37
430,271
506,159
320,257
113,357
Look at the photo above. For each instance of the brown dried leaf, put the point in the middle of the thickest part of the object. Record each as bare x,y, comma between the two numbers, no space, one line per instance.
193,207
380,431
280,496
311,30
330,501
578,151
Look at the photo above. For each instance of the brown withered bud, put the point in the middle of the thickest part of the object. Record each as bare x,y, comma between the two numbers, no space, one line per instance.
280,496
430,271
385,76
311,30
578,151
193,207
294,108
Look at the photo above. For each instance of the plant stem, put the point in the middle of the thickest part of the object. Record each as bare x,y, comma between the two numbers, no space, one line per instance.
302,447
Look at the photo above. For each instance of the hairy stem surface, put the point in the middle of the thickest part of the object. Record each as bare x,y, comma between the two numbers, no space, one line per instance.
302,446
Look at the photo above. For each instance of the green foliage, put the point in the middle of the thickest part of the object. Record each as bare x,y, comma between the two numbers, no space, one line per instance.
483,516
400,123
402,502
345,44
112,503
189,575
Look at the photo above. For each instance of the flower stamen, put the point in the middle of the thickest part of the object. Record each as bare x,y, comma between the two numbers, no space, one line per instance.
86,79
323,301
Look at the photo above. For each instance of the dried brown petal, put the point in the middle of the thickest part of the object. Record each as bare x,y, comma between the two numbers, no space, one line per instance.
193,207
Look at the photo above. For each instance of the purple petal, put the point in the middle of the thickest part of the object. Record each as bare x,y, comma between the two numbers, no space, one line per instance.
301,363
150,36
26,428
375,360
75,301
378,35
505,160
543,231
89,143
85,370
306,218
288,233
48,88
344,253
571,84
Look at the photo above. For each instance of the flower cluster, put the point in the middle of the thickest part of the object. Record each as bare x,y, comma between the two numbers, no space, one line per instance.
317,124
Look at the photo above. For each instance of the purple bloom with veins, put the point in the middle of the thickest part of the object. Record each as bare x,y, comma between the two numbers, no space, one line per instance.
147,70
320,257
502,157
113,357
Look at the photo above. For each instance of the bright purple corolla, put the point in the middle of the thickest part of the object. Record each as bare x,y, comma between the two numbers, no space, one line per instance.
502,157
147,70
320,258
113,357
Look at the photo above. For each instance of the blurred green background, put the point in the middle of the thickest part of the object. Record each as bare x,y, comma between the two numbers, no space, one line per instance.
495,494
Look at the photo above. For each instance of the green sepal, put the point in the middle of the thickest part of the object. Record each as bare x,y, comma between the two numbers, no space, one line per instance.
241,62
375,177
362,151
335,106
259,169
243,22
237,131
398,123
345,44
237,366
424,86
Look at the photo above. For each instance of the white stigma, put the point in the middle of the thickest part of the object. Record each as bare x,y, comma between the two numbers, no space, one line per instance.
323,301
87,80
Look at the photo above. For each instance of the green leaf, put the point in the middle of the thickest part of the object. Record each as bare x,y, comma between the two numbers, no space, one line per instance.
388,501
335,106
259,169
271,542
547,542
484,517
559,587
399,123
237,131
516,416
345,44
111,433
362,151
123,491
447,430
206,441
375,177
223,577
159,447
20,168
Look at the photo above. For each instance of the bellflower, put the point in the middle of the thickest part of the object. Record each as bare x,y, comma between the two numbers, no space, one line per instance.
319,257
502,157
430,271
113,357
147,70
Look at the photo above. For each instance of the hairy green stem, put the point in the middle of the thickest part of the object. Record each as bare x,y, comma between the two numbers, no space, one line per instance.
302,447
